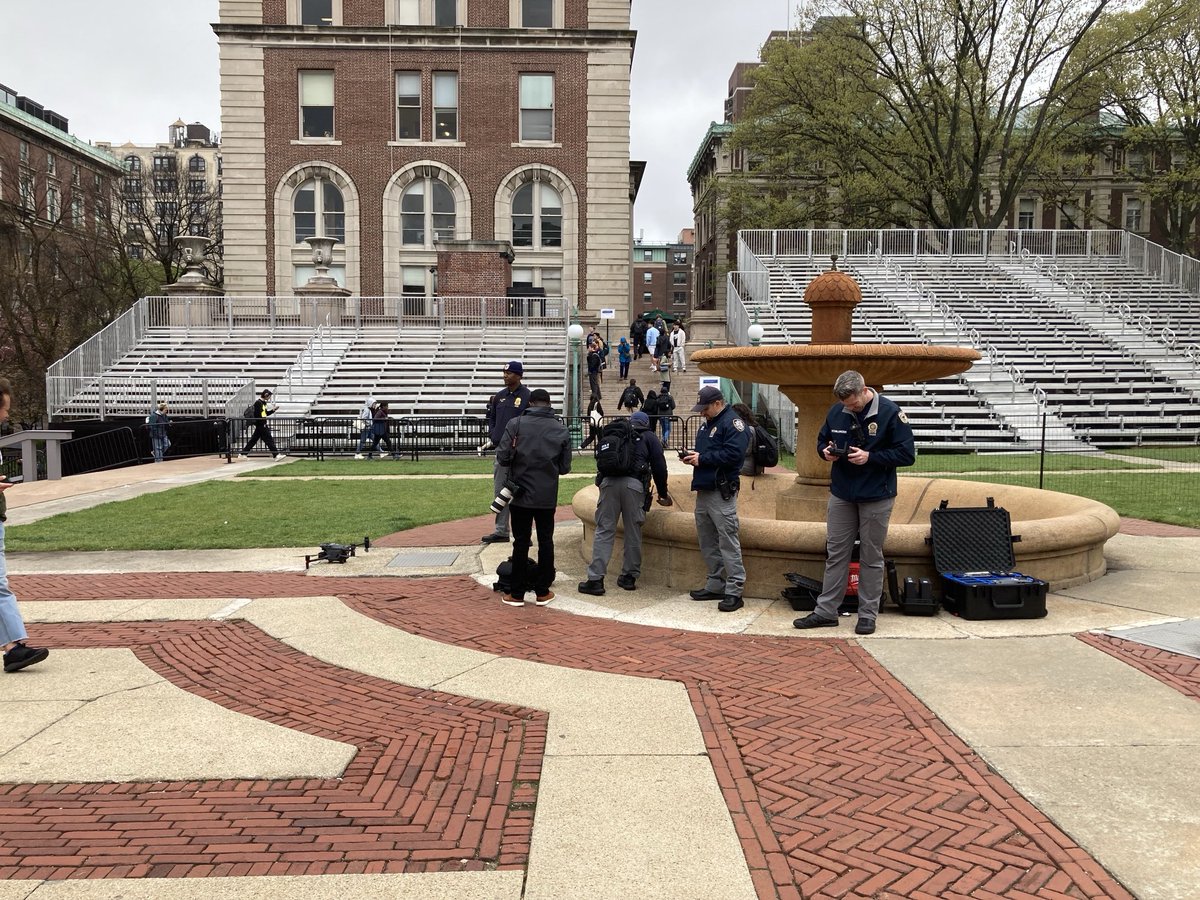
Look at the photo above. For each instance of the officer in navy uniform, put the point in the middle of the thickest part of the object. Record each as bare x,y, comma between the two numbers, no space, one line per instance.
506,405
866,436
720,449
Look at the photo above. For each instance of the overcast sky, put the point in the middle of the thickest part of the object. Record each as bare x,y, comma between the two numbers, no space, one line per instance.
129,72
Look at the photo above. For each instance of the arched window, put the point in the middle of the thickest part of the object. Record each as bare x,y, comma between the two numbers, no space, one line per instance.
537,216
196,165
133,163
318,210
426,213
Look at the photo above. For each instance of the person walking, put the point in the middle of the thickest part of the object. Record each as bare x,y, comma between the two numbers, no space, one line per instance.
366,418
867,437
380,420
666,410
632,397
652,338
720,449
17,654
678,340
159,422
258,414
624,355
627,497
534,451
595,415
594,363
506,404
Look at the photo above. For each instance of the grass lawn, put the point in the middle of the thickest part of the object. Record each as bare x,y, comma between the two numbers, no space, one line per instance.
584,464
224,514
1016,462
1174,454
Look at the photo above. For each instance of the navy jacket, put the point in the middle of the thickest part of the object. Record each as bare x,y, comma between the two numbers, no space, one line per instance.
536,449
884,432
721,443
505,405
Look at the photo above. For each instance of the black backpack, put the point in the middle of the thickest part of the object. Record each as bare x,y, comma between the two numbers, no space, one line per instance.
666,405
616,449
248,412
503,582
766,448
628,398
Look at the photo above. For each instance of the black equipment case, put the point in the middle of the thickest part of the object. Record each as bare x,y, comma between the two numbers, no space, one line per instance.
972,549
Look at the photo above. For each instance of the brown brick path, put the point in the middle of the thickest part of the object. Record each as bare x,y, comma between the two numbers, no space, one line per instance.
840,783
439,783
1175,670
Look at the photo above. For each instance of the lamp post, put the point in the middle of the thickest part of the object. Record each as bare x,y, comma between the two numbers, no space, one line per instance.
755,333
574,336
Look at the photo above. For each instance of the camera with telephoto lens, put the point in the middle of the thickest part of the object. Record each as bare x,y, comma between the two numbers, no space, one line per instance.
507,492
485,447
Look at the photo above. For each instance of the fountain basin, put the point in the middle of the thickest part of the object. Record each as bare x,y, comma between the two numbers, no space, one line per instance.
1062,535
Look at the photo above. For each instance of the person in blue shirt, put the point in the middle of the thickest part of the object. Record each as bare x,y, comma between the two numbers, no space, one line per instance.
867,437
721,444
624,356
159,422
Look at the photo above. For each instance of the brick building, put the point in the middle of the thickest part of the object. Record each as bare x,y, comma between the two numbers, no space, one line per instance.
416,131
662,276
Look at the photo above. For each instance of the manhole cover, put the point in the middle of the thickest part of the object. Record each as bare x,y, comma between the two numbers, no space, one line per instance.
423,559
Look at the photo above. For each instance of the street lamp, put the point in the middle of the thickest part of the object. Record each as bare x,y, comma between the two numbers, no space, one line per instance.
755,333
574,336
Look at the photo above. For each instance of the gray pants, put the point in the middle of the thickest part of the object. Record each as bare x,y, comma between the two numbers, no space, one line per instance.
624,497
499,476
717,528
844,522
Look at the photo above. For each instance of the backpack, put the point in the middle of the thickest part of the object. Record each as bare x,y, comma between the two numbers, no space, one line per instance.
666,405
616,449
628,398
766,448
503,582
248,412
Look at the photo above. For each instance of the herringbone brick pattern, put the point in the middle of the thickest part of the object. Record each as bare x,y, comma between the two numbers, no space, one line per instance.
840,783
1172,669
438,783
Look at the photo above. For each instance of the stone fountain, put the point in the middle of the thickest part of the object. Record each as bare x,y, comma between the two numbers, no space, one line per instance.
783,516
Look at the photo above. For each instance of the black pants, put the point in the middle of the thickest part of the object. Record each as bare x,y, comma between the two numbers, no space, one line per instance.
261,433
521,523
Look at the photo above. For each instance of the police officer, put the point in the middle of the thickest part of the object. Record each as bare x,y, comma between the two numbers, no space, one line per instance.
627,497
866,436
720,449
506,405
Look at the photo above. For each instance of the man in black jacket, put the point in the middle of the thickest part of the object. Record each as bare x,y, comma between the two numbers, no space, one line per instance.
505,405
263,407
534,451
627,497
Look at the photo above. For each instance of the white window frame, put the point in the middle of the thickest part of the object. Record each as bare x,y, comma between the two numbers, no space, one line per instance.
300,91
516,14
397,255
428,231
1140,211
319,212
51,165
647,278
53,204
536,214
425,14
1032,213
408,73
288,255
78,216
521,100
443,77
293,13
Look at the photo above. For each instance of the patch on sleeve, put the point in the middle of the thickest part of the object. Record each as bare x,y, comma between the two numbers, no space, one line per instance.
902,417
739,424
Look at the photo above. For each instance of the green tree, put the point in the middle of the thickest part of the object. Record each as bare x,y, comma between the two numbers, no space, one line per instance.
914,112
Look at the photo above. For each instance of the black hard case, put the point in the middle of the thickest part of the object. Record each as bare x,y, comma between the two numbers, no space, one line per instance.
972,549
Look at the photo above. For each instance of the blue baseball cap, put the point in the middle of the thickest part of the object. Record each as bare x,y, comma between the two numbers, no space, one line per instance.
515,367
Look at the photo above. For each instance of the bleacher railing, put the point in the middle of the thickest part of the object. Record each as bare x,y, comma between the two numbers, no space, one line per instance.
823,242
1165,265
109,396
412,311
95,355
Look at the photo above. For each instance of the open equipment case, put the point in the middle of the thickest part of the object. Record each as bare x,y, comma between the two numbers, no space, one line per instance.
973,552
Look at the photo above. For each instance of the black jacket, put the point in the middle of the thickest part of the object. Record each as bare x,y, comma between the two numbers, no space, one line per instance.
721,443
883,431
536,449
503,406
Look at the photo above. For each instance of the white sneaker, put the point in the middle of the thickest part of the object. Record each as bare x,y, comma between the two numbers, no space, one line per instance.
358,456
279,456
241,457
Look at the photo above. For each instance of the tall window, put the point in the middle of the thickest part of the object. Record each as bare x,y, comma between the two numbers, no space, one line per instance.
408,12
537,13
27,197
537,107
53,204
1070,216
77,212
537,216
133,163
647,277
445,13
51,164
1133,214
196,165
1025,212
316,104
75,178
445,106
24,152
316,12
318,210
408,106
426,213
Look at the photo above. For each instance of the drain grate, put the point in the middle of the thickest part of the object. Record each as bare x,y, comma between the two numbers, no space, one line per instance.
423,559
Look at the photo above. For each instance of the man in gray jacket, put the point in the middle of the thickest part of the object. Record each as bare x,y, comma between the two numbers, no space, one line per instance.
534,450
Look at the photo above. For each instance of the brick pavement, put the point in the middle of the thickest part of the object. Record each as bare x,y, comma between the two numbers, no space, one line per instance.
1176,670
840,783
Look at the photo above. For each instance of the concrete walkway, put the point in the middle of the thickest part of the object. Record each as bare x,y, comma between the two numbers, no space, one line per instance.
388,729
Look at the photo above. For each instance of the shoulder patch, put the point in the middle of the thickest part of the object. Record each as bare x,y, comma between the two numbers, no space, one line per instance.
902,417
739,424
516,401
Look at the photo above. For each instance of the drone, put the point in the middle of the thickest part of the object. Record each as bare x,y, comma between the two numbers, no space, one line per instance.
336,553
